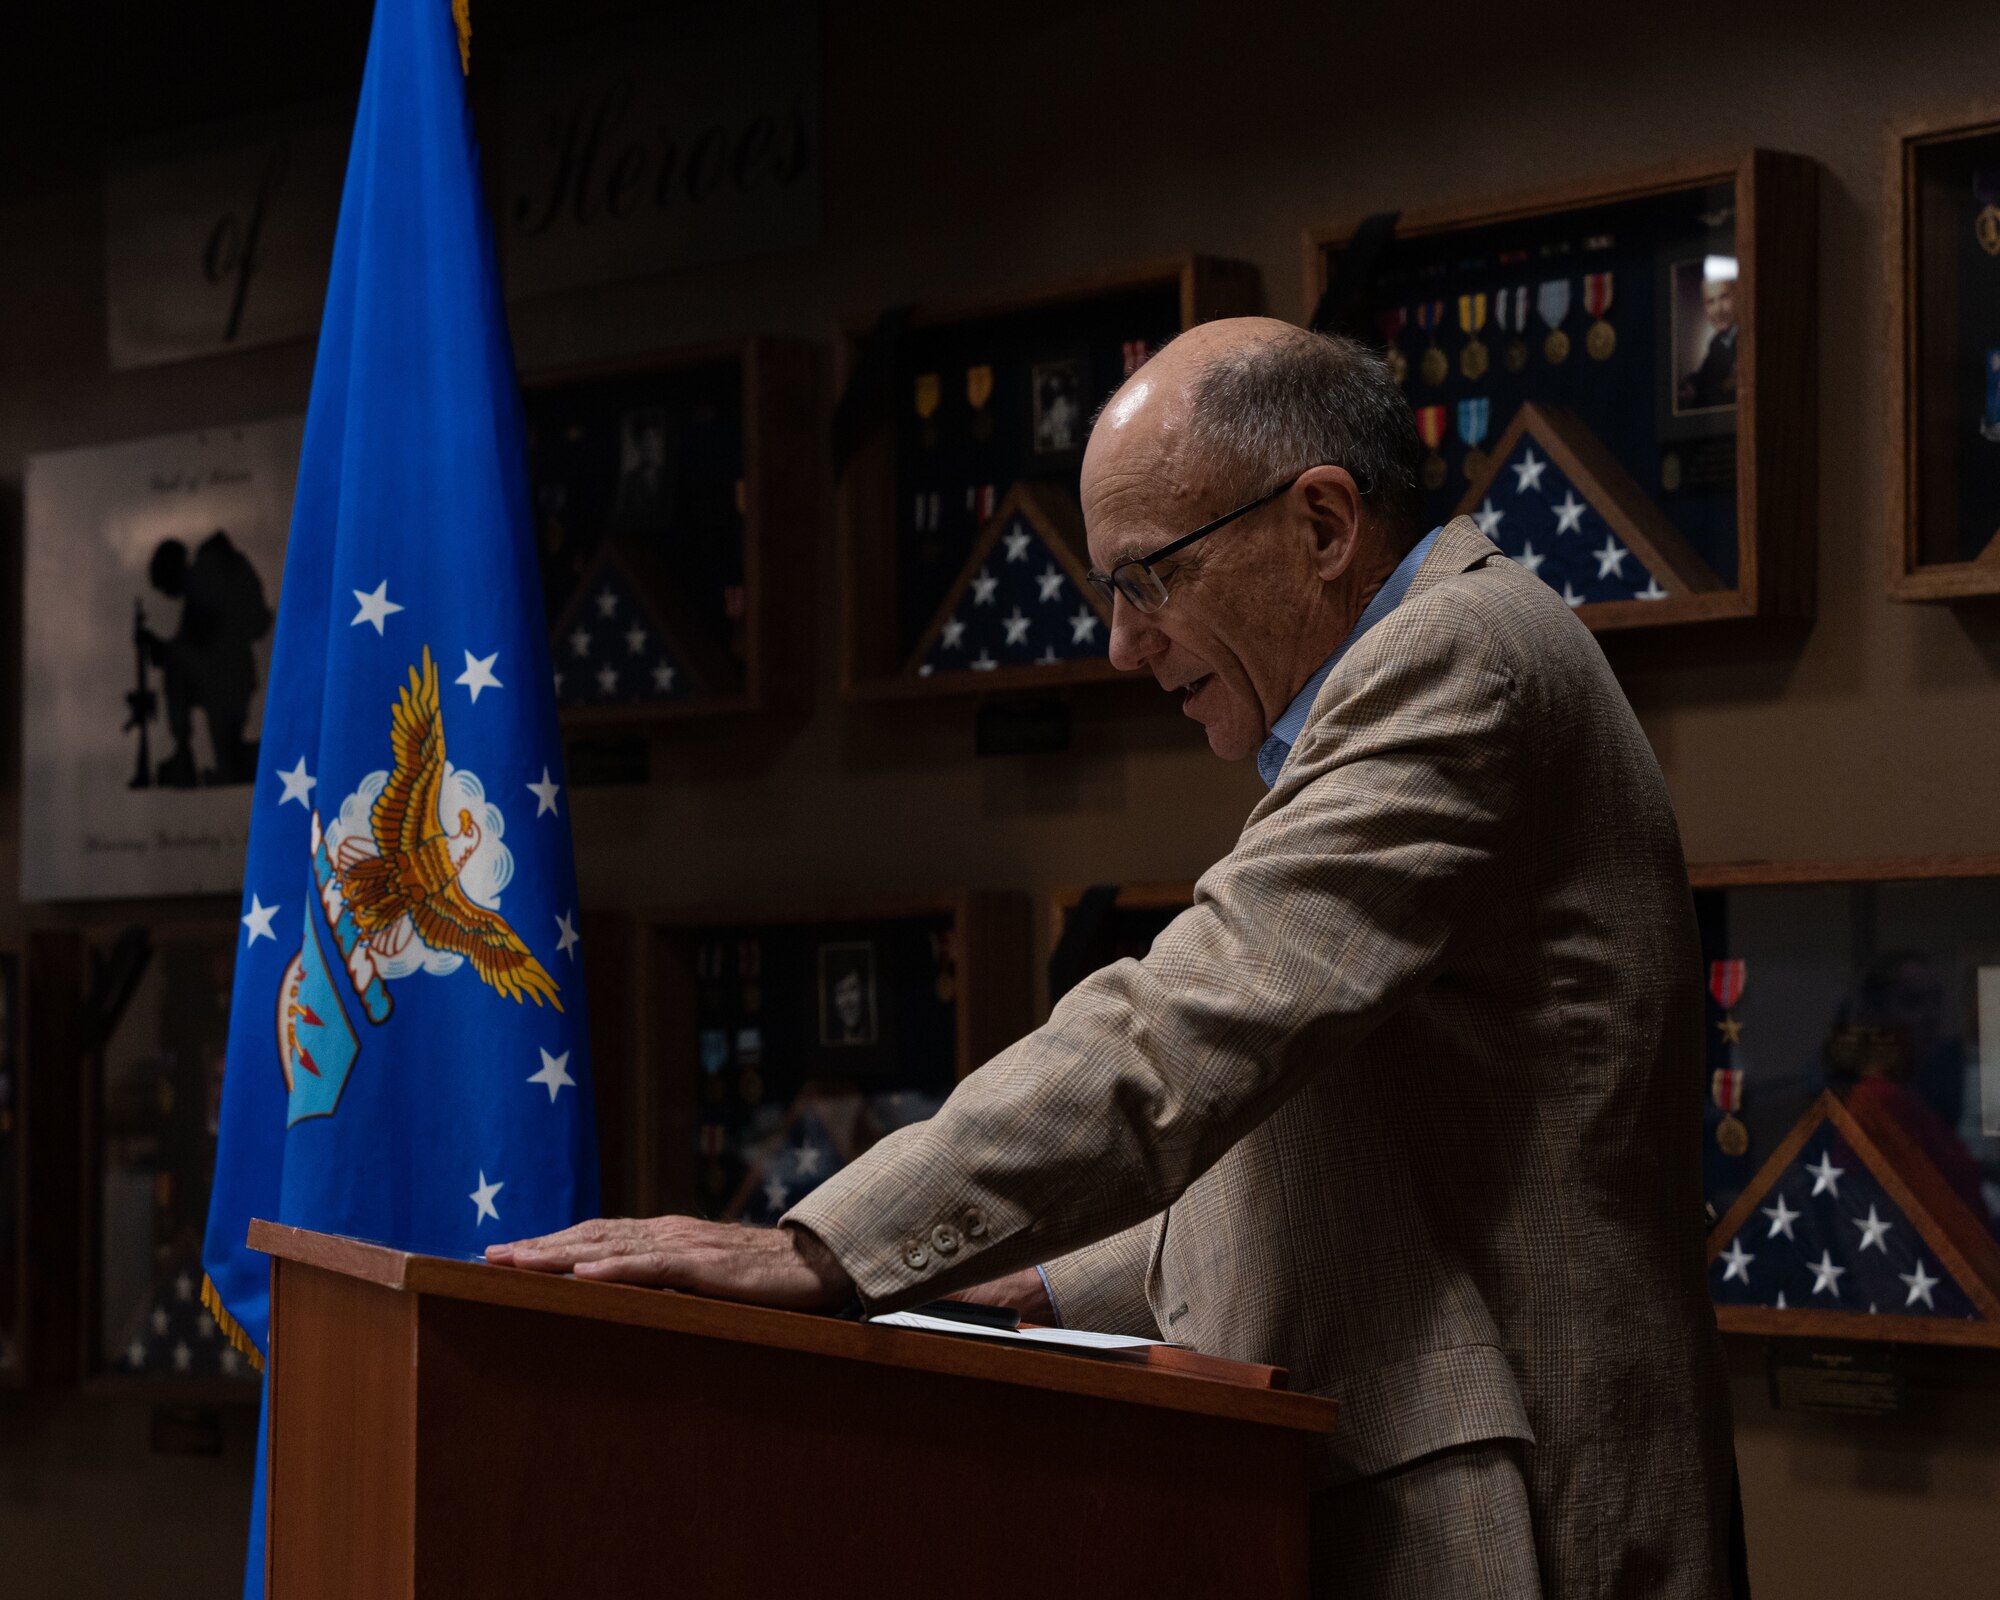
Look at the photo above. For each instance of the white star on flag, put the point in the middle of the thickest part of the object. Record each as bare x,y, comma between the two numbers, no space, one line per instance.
554,1074
1782,1217
1921,1283
1083,626
775,1192
135,1352
1528,558
183,1287
806,1162
1016,626
482,1197
984,662
1611,559
1528,473
1570,597
983,587
160,1322
478,674
1826,1176
1738,1260
1017,545
230,1361
607,679
569,939
954,634
1488,517
1873,1231
1826,1276
298,785
607,601
1051,582
1048,657
663,678
183,1357
579,642
635,639
1569,515
1652,591
1781,1299
375,608
545,793
258,921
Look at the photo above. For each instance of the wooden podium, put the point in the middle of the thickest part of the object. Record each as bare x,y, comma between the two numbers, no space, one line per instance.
445,1430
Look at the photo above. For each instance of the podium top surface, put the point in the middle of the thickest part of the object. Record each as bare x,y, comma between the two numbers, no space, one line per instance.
1215,1388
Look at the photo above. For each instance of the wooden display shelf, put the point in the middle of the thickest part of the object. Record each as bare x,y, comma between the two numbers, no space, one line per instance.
651,1113
780,509
1776,457
874,661
1922,377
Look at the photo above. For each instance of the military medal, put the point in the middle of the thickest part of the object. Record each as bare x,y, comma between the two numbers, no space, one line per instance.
979,390
930,391
1392,351
1134,353
1725,987
1989,428
944,957
1510,316
1474,359
1552,302
750,967
979,500
1986,225
1430,426
1601,340
1726,1089
1433,368
1473,416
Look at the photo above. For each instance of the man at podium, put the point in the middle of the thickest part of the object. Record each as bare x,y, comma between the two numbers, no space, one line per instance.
1401,1104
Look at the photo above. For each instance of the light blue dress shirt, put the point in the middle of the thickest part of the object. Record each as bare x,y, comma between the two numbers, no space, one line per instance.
1285,731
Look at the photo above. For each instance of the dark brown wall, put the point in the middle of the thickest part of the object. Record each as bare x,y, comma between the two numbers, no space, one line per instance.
1042,140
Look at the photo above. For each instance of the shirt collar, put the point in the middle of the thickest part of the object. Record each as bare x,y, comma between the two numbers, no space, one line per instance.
1291,722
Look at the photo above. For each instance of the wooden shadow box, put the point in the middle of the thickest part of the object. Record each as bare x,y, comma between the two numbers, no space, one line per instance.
1942,255
960,532
1617,377
774,1044
1851,1189
155,1032
675,502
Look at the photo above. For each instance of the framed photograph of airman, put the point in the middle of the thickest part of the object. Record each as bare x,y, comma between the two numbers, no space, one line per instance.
1943,251
962,562
1615,377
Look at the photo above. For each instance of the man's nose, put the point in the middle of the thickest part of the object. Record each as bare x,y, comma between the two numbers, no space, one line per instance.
1134,638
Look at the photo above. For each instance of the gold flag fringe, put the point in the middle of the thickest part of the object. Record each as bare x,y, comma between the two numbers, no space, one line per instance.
461,13
231,1328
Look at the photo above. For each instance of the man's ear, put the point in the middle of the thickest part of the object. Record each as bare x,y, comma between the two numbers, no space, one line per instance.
1332,505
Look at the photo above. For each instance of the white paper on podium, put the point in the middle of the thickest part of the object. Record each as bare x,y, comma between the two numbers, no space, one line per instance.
1050,1338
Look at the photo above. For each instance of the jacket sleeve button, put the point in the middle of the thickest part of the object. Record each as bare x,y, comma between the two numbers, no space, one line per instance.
915,1254
975,1223
944,1239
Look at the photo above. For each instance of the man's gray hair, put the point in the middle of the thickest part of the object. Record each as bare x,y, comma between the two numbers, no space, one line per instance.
1270,409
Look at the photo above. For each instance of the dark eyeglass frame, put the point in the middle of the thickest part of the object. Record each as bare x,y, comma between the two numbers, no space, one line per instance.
1146,589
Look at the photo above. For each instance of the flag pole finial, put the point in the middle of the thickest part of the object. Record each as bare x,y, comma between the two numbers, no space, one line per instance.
461,13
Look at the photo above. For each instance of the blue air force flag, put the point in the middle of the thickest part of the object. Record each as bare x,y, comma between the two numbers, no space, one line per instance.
407,1053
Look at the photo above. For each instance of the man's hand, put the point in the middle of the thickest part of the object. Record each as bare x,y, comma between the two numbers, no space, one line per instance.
1019,1291
785,1267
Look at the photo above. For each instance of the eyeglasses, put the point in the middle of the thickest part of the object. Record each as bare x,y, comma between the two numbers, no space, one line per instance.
1139,583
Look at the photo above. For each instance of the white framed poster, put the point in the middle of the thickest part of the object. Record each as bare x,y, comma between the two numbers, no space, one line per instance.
150,595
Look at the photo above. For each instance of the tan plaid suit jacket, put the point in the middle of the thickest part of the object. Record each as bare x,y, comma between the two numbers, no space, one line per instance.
1405,1103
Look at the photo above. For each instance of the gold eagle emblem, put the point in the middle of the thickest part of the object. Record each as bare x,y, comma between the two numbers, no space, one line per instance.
408,885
